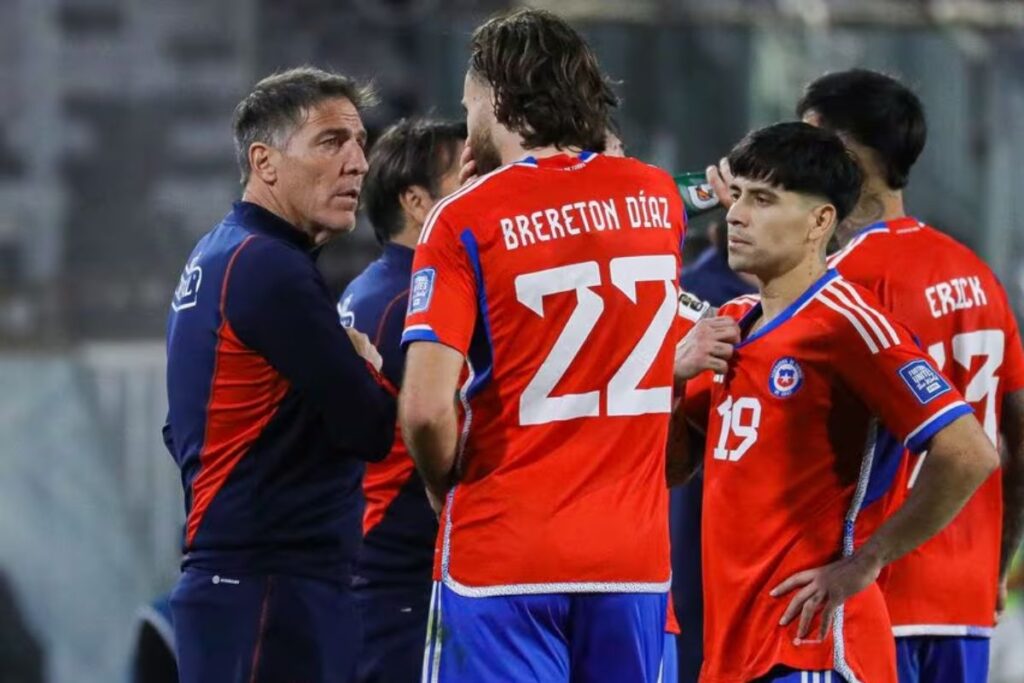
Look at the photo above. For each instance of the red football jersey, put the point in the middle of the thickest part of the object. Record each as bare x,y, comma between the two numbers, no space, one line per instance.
960,314
802,436
558,280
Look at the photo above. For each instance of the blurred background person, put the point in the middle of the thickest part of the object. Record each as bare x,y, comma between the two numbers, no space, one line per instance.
413,165
154,655
22,659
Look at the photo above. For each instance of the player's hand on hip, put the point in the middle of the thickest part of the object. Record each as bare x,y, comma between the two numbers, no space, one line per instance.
708,346
467,165
719,177
824,589
365,348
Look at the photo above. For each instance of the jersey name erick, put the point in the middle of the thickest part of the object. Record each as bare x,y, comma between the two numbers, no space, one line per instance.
570,220
957,294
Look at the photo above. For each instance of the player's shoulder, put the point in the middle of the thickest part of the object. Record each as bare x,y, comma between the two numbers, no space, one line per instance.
950,250
900,243
373,278
481,193
374,292
619,169
852,313
270,259
872,240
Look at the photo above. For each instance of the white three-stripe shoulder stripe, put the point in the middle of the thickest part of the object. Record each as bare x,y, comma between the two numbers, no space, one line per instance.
835,258
872,326
428,225
743,300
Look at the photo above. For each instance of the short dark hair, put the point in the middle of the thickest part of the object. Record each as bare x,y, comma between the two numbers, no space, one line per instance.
874,110
410,152
800,158
278,102
548,86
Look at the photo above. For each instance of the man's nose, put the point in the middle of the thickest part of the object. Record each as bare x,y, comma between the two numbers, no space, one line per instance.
355,162
736,214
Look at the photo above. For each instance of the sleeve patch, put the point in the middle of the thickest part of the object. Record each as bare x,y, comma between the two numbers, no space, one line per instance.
421,290
923,382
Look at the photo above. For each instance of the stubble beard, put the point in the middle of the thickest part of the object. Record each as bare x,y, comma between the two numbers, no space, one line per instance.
485,153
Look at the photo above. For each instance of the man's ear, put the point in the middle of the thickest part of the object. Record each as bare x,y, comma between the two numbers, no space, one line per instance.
824,217
262,161
416,203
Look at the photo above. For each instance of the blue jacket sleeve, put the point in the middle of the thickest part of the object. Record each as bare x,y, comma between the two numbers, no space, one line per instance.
389,341
278,305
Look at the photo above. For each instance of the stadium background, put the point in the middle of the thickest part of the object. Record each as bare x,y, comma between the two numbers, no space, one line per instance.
115,155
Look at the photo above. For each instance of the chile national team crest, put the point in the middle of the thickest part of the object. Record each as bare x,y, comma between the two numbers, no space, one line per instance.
786,377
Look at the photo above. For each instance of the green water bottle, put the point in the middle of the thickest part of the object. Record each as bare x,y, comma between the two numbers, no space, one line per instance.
698,196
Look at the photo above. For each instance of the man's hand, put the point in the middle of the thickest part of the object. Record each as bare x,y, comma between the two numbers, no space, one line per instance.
825,589
365,348
719,177
708,346
467,165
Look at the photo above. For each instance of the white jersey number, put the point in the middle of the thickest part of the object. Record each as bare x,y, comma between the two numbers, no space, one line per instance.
990,345
740,418
537,405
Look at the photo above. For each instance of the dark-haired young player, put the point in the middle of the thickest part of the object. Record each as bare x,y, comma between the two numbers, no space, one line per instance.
945,597
412,166
821,396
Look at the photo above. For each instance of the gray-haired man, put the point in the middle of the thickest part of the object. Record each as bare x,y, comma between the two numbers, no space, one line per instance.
271,407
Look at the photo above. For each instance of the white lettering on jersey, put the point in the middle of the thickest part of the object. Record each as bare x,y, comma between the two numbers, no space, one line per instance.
958,294
345,313
187,293
648,212
564,221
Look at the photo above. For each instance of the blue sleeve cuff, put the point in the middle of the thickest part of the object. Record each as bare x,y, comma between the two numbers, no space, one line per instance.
918,439
418,333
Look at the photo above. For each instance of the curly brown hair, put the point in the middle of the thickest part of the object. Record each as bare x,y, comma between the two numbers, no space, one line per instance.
548,86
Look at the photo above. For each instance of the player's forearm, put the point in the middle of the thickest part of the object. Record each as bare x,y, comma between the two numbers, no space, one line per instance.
679,464
959,460
432,438
1013,479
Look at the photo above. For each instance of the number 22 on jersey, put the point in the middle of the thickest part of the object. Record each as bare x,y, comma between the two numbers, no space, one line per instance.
536,404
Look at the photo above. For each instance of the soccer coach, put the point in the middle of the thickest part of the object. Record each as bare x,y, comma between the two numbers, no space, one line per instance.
272,408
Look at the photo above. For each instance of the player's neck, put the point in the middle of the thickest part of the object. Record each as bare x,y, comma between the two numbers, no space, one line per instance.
779,292
878,202
409,235
515,151
262,196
